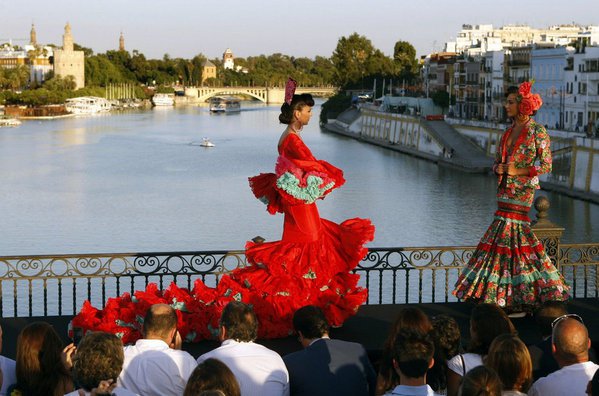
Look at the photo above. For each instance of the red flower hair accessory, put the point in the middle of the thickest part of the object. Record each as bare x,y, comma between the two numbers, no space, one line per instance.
290,90
528,102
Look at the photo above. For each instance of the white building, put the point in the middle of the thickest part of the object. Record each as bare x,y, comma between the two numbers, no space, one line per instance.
581,101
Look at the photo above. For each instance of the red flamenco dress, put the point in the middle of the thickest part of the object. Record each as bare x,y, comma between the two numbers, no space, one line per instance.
510,266
310,265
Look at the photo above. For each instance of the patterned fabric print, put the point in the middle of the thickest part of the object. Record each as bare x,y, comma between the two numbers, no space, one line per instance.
510,268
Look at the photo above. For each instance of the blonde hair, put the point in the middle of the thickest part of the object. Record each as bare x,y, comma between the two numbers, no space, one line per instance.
510,358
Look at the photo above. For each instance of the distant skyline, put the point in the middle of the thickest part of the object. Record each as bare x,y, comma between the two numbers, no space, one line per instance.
185,28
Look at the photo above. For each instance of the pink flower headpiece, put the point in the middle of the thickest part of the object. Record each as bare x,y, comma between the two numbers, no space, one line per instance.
528,102
290,90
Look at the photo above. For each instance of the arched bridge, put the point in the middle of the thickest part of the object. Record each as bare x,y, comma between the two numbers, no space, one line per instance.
264,94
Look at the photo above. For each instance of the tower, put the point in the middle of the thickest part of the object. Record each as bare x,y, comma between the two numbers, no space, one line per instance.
68,62
228,59
33,36
67,38
122,42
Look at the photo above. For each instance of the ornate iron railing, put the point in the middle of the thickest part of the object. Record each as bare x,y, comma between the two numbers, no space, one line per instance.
58,285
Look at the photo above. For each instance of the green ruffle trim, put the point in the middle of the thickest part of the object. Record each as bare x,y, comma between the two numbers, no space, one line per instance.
309,194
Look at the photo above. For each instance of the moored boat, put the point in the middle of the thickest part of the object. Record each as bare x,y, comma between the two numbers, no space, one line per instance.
87,105
162,99
9,122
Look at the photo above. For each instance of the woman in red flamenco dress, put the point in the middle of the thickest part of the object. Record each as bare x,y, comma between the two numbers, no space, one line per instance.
310,265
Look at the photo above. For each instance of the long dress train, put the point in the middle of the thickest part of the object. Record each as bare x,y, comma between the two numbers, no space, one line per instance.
310,265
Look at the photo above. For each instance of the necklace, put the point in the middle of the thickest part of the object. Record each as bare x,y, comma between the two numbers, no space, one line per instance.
296,131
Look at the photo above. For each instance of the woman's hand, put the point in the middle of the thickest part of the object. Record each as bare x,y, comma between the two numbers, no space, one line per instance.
67,355
104,388
510,170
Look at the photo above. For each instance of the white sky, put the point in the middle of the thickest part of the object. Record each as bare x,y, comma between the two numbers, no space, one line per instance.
184,28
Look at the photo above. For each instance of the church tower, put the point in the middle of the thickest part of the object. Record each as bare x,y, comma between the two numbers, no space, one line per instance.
68,62
228,59
33,36
122,42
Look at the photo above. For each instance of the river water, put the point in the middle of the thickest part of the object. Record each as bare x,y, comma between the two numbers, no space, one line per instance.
139,182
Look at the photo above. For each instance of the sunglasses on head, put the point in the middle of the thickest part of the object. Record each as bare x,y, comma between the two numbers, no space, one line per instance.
560,318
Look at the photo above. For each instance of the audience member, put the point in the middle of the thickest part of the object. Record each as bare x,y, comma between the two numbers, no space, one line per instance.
155,365
446,337
543,362
99,358
487,321
412,358
212,375
570,347
411,319
593,385
510,359
326,366
481,381
43,366
8,373
259,371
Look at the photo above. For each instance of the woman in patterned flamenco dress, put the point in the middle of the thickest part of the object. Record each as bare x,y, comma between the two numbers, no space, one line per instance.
509,266
310,265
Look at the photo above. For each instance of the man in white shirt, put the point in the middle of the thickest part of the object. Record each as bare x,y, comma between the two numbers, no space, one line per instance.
259,371
155,365
7,371
570,347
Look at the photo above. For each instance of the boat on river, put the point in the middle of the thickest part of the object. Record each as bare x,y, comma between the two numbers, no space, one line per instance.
88,105
225,104
9,122
206,143
162,99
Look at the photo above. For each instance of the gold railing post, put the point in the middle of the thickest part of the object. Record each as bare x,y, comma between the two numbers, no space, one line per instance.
548,233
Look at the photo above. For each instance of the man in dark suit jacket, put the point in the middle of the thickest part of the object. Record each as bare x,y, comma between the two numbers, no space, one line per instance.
326,366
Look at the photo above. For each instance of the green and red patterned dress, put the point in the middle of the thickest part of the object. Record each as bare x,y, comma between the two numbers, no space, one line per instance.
509,266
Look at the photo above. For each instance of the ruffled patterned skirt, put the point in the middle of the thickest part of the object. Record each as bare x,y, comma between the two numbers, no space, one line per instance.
510,266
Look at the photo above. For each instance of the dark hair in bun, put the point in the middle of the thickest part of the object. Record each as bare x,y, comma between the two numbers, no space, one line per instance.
297,103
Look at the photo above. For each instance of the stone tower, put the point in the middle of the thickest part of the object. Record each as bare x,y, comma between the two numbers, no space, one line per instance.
33,36
68,62
122,42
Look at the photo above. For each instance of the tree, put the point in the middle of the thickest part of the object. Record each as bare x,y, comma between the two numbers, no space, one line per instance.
349,59
404,57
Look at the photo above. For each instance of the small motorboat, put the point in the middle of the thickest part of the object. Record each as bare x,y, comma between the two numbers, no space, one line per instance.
206,143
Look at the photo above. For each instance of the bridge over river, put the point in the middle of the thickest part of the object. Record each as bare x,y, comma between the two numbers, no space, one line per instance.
265,94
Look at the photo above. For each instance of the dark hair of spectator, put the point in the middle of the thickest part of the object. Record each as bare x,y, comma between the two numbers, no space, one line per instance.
99,357
310,320
297,103
39,366
487,321
446,337
509,357
212,375
160,320
547,313
408,319
595,384
481,381
240,321
412,352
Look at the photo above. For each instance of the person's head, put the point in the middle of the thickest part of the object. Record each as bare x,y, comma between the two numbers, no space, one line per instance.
593,385
160,323
309,322
481,381
570,340
446,337
238,322
99,357
487,321
212,375
521,102
409,319
547,313
39,367
510,359
413,354
298,111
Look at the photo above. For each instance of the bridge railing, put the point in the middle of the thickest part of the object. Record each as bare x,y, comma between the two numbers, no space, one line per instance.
58,285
